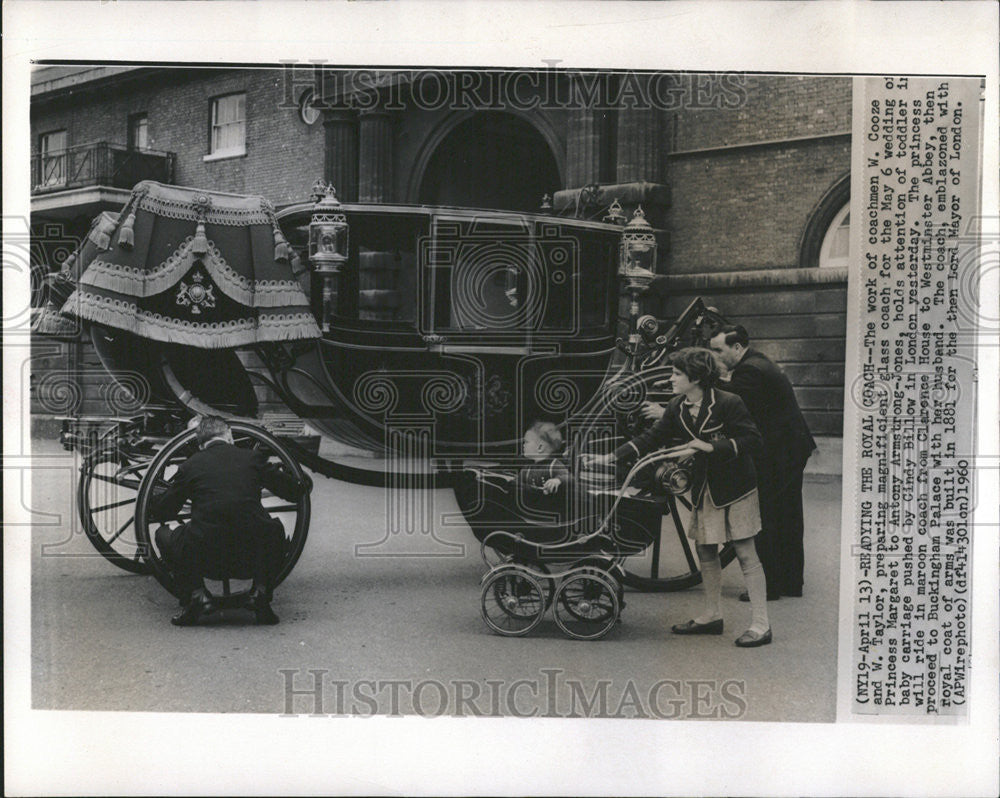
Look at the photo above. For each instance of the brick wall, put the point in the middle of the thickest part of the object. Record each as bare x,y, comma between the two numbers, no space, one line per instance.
775,107
284,155
747,208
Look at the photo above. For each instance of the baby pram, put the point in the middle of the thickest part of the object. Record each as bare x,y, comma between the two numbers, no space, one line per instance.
570,561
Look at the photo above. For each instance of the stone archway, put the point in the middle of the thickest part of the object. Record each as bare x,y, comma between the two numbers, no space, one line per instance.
492,159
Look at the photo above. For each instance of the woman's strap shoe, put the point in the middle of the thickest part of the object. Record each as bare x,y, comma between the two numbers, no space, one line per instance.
693,628
751,639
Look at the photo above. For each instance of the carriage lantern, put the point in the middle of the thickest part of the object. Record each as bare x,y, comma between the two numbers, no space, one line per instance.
328,247
636,263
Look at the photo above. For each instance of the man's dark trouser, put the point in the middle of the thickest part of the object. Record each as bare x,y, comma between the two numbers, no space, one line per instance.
190,562
779,544
179,553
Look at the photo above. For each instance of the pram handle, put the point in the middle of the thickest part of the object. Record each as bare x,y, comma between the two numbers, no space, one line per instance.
650,459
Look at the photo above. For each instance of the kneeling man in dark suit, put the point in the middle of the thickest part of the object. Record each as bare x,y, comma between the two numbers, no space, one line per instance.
230,534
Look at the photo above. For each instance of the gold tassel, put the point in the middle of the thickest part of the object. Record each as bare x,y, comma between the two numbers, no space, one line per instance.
200,244
101,234
282,249
67,264
126,237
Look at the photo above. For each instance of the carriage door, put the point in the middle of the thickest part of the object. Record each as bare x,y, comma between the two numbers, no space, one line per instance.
483,304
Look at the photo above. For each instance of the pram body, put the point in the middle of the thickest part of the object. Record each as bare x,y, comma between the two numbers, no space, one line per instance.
566,554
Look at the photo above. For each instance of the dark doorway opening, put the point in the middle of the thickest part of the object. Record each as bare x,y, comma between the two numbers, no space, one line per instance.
491,160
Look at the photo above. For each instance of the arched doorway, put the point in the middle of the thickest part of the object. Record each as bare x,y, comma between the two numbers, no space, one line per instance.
491,160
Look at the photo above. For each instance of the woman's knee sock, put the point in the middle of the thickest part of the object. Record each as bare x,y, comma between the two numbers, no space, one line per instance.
753,575
711,583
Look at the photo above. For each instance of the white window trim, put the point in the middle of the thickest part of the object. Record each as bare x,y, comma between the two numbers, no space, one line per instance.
825,261
132,120
59,153
228,152
222,155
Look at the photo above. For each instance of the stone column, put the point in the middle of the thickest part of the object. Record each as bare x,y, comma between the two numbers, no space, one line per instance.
639,135
341,153
375,161
583,142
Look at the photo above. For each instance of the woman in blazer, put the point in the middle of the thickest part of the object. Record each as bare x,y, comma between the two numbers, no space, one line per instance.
722,437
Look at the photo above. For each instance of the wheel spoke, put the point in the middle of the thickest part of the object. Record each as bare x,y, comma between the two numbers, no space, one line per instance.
111,506
123,527
282,508
692,564
133,468
115,479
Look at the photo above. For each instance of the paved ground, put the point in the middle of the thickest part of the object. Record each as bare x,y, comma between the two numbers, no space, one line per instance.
389,632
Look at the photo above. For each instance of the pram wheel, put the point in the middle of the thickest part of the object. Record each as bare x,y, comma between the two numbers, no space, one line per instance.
536,569
587,605
512,601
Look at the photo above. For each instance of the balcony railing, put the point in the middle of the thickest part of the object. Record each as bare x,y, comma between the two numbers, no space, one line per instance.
99,164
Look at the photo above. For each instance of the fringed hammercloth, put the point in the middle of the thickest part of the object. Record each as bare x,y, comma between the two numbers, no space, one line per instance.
190,266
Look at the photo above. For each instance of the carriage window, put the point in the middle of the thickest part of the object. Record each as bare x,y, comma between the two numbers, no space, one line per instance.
483,276
591,291
379,283
512,277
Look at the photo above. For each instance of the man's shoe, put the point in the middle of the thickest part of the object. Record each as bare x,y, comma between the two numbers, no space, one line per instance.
744,596
259,604
692,628
199,605
750,639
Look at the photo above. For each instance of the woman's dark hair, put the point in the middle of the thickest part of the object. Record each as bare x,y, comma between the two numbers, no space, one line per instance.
698,364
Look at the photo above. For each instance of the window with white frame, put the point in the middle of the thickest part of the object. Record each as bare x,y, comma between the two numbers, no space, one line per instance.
138,132
228,125
52,149
833,253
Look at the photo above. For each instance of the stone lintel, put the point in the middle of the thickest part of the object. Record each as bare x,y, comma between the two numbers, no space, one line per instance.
761,278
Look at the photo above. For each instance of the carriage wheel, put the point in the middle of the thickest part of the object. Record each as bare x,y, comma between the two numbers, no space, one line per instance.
105,499
294,516
512,601
670,563
587,605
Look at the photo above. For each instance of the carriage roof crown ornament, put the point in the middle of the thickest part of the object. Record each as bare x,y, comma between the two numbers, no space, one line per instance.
615,215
